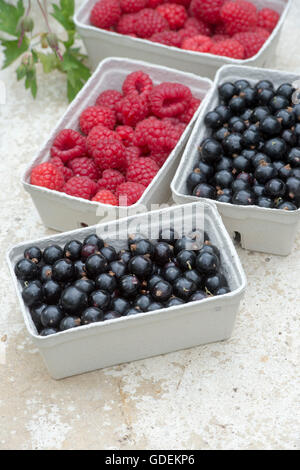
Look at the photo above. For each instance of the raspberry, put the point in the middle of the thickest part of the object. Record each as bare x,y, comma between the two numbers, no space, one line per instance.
228,48
105,197
109,98
80,186
159,157
129,193
126,133
220,28
133,108
84,166
157,136
220,37
127,24
94,115
175,15
185,3
239,16
110,180
207,10
142,170
131,154
150,22
169,99
189,32
252,42
138,83
132,6
105,13
154,3
187,116
261,31
97,133
67,172
198,43
168,38
109,153
68,144
268,19
48,176
199,25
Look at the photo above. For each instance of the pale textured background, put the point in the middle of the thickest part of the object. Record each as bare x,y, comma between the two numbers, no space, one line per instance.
243,394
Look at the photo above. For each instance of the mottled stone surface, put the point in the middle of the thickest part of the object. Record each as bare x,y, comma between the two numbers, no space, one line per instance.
242,394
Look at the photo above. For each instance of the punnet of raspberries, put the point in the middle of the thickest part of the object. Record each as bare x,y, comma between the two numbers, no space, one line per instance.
203,26
123,139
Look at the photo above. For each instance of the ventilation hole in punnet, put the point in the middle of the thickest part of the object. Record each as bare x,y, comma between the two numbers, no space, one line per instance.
237,238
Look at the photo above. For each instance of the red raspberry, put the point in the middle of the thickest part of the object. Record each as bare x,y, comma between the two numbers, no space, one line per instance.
238,16
127,24
220,37
220,28
207,10
67,172
132,6
252,43
84,166
159,157
187,116
129,193
175,15
268,19
261,31
186,33
199,25
173,121
126,133
109,153
169,99
198,43
68,144
94,115
133,108
185,3
48,176
97,133
131,154
109,98
138,83
142,170
80,186
168,38
105,13
228,48
150,22
154,3
110,180
105,197
155,135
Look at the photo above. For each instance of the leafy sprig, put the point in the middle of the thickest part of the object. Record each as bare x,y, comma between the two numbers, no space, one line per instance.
43,48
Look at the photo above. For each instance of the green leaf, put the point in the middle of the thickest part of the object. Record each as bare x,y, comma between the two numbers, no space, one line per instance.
64,15
48,61
21,72
30,81
12,50
10,16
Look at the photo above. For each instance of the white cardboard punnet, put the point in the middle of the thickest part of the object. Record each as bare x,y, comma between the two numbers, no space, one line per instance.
113,342
101,44
261,229
63,212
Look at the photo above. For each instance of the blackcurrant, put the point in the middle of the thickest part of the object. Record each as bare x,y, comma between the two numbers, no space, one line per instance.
100,299
51,316
73,301
52,254
63,270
